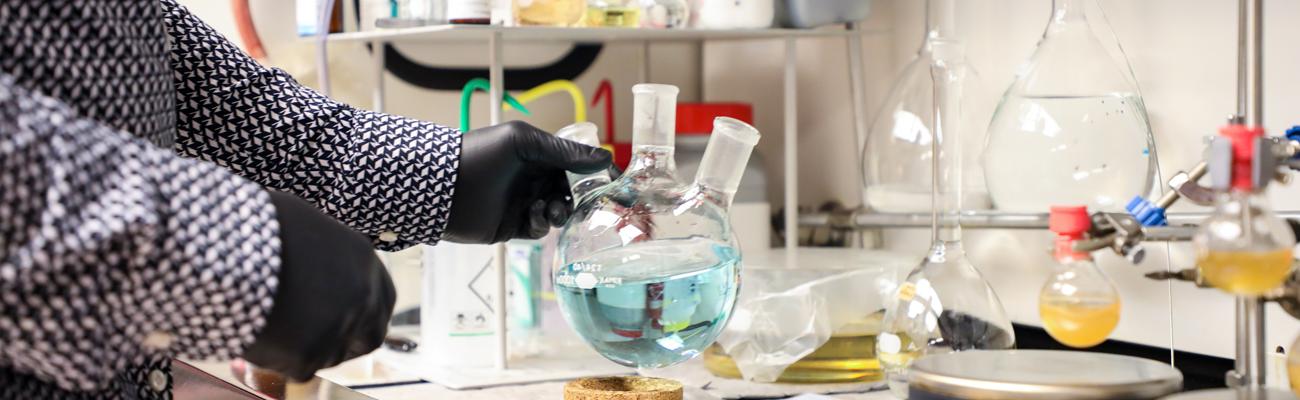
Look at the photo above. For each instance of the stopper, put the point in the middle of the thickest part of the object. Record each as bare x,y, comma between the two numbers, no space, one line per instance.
623,388
1069,223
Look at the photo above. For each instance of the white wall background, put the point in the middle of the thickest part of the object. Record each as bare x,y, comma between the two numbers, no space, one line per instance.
1182,52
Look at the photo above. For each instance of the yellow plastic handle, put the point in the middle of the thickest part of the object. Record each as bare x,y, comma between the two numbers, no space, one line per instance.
558,85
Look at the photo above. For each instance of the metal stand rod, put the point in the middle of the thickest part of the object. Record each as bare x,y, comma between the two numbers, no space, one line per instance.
496,79
791,147
1181,225
857,89
1243,67
377,58
1257,44
643,74
1251,367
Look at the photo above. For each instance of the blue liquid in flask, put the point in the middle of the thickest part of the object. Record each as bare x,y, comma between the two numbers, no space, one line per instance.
651,304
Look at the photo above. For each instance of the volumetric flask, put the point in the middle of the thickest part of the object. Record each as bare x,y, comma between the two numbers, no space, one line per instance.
944,305
1072,128
896,157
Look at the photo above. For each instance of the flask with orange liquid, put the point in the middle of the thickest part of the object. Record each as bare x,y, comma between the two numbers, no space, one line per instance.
1079,305
1243,248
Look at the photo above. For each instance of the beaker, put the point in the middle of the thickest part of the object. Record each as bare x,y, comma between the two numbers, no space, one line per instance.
896,156
1072,128
944,305
648,267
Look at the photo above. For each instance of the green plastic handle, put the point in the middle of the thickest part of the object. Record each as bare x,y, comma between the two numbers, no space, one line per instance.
480,84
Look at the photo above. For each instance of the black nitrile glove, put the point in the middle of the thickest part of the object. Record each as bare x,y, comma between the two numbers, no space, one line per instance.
334,299
511,183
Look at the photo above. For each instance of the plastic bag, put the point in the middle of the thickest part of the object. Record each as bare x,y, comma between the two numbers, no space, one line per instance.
787,310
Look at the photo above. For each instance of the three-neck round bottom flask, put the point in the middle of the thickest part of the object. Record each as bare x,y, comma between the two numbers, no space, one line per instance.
647,268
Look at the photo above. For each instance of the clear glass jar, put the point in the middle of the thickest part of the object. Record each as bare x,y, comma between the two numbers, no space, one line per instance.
665,14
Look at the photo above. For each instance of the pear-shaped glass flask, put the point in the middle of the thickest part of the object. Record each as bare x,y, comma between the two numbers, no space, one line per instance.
647,268
1079,305
945,304
896,155
1243,248
1072,128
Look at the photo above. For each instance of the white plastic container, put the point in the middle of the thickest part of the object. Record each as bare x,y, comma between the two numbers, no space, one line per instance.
806,14
456,317
732,14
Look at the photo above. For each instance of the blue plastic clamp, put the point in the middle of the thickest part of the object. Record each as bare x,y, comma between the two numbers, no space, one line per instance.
1146,212
1294,134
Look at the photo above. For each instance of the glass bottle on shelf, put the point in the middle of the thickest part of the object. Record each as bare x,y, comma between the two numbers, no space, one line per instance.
671,14
1078,305
613,13
1242,248
648,268
945,304
1072,128
469,12
897,153
549,12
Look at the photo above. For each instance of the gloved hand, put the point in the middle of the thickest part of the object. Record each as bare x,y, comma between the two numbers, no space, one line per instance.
511,183
334,299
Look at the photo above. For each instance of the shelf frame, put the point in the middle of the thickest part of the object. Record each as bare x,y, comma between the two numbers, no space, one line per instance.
496,37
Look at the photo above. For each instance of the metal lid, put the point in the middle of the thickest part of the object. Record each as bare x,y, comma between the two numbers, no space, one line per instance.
1235,394
1042,374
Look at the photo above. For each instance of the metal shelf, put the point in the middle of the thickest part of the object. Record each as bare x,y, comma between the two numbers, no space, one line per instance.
974,219
482,33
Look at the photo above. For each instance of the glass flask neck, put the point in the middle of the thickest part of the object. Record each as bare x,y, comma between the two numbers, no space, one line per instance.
652,161
1069,11
946,147
585,133
940,20
725,158
943,251
654,115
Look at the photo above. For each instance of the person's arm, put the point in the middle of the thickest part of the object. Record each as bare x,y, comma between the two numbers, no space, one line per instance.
112,249
388,177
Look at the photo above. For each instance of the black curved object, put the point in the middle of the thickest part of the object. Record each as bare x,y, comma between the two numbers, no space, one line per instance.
572,65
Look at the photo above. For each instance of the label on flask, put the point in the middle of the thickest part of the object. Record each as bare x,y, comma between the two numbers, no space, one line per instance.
906,291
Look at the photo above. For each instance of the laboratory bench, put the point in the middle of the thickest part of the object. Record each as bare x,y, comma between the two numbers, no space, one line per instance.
215,379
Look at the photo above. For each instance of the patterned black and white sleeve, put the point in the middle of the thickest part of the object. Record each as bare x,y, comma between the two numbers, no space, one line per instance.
386,176
113,250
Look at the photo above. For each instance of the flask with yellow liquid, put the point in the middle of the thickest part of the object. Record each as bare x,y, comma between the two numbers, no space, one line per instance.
848,356
1079,305
1243,248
